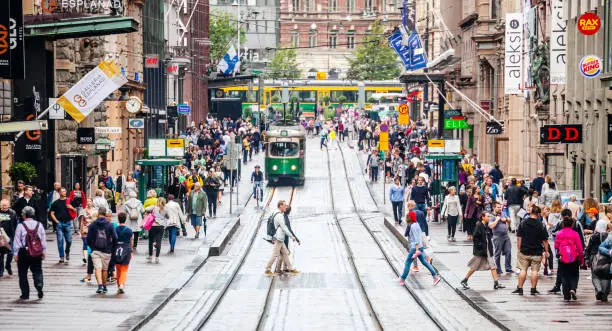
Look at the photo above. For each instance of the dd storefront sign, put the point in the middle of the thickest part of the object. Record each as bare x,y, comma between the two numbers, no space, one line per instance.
561,134
12,56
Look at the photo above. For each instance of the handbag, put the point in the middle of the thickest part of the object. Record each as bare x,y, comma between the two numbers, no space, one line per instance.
601,266
148,221
5,241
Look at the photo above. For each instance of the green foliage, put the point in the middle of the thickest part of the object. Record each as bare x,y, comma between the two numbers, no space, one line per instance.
326,99
342,99
276,98
246,112
223,29
22,171
371,100
283,65
374,59
294,98
329,113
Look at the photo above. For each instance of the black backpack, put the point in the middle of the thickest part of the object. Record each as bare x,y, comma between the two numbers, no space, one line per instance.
101,241
270,229
123,252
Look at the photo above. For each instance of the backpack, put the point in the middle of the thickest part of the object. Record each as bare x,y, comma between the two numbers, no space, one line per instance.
270,229
34,246
134,214
101,241
567,252
123,252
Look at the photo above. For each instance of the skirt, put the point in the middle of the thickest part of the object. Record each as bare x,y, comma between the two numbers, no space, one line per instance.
481,263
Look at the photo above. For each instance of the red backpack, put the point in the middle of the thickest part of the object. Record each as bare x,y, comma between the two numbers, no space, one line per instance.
34,246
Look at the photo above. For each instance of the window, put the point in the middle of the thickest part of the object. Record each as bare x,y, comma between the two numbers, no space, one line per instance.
608,36
333,5
351,5
350,41
284,149
369,5
344,96
295,4
333,40
305,96
312,38
295,39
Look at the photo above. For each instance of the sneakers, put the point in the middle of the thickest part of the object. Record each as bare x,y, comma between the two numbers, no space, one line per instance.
401,282
149,258
85,280
464,284
268,273
24,297
555,290
61,260
415,268
120,290
112,280
104,290
67,256
573,295
157,260
84,261
100,289
534,291
436,280
497,285
9,270
453,239
40,294
294,271
518,291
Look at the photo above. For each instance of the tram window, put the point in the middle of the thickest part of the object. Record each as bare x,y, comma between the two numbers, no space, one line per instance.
351,96
283,149
305,96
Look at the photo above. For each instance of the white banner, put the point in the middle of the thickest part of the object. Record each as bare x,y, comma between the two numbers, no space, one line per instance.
558,40
513,72
91,90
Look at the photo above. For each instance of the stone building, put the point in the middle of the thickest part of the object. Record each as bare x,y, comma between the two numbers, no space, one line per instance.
327,31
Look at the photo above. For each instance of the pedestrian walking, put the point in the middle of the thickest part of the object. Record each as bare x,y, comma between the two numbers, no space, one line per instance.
280,267
160,215
501,240
60,215
129,186
176,217
120,181
196,208
102,239
323,135
30,249
27,200
532,241
372,165
122,254
279,250
99,201
151,199
414,233
420,194
396,195
86,217
451,212
78,200
514,195
600,284
134,210
481,259
211,187
568,247
8,224
472,210
605,251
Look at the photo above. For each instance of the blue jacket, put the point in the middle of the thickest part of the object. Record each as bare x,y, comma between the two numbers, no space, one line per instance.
414,233
421,219
396,193
606,247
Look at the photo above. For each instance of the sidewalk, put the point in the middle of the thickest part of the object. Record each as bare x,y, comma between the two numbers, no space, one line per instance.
71,305
544,311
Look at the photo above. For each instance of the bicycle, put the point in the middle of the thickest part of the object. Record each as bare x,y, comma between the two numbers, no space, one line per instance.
258,192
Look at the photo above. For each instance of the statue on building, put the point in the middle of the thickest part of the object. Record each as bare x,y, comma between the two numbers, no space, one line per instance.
540,74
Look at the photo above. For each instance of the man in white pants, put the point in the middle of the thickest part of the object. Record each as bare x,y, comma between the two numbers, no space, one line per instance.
279,250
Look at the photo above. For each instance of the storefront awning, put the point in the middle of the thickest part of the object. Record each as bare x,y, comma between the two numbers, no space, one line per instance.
81,27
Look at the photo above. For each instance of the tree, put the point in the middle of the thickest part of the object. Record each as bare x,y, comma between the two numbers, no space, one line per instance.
283,65
22,171
374,59
223,29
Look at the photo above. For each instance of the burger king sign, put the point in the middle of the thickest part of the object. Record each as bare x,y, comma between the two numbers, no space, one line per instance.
590,66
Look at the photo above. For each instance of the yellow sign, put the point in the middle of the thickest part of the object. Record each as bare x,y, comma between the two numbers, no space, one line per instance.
175,143
321,75
383,141
403,109
435,143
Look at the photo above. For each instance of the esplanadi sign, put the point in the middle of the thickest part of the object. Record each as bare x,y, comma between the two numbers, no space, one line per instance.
82,6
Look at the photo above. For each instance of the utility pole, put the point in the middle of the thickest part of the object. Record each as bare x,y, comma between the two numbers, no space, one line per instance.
426,87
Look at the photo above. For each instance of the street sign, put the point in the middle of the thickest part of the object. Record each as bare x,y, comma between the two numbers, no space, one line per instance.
435,146
384,128
157,147
136,123
383,138
108,130
565,134
183,109
486,105
175,147
452,146
451,124
403,118
450,113
494,127
56,112
86,136
16,126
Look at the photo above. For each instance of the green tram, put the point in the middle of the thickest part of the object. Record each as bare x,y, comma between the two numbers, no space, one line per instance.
285,153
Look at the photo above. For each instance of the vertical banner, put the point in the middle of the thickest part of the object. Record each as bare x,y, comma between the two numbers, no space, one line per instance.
12,56
558,46
513,70
531,43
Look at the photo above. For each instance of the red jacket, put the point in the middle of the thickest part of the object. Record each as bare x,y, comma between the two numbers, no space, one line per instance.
83,197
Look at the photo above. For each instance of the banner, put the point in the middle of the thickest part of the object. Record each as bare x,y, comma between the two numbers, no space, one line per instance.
558,46
513,72
91,90
413,54
12,56
530,44
409,15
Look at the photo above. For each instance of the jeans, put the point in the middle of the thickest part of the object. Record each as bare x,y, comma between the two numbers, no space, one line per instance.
422,207
424,227
452,225
397,210
34,264
257,185
212,203
245,155
75,221
569,273
323,143
64,232
421,258
172,231
502,246
155,236
374,174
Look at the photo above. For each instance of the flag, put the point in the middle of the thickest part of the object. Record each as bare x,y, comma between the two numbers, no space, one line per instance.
412,54
81,99
230,63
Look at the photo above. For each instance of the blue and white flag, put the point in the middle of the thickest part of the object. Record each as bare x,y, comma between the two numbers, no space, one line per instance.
412,54
230,63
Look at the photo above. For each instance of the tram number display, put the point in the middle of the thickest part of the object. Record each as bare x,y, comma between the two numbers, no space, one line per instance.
495,128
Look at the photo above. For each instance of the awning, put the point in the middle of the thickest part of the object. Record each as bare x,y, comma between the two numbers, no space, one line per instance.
81,27
159,162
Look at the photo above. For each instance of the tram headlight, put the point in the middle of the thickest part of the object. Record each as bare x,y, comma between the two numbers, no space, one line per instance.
293,167
275,167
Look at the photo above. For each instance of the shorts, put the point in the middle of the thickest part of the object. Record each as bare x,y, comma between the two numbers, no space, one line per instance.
100,260
525,261
481,263
196,220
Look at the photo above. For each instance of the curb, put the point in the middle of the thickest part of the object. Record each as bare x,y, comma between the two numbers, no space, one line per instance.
473,298
224,237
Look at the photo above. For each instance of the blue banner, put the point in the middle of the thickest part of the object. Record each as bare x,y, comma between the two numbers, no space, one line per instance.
413,54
